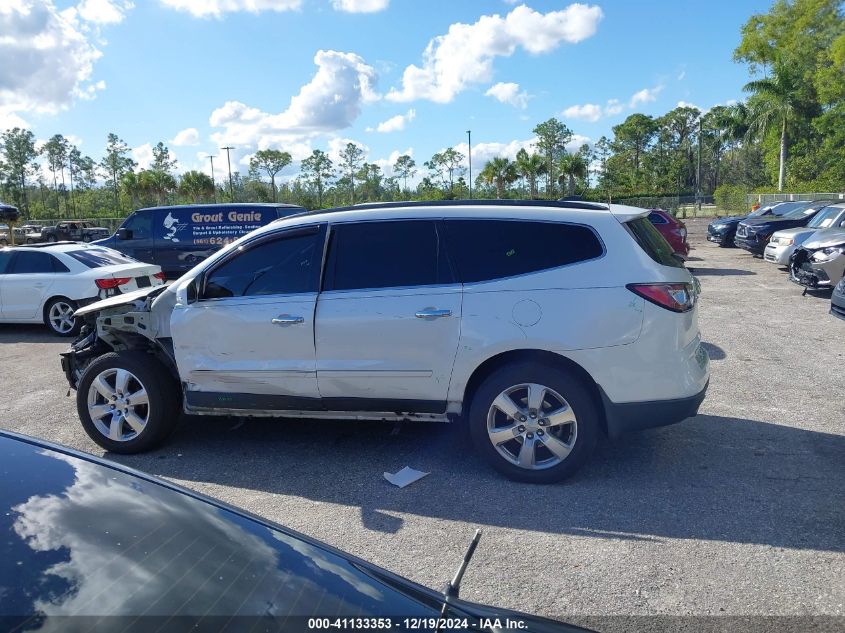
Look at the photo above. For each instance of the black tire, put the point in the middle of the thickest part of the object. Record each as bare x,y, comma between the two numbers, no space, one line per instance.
77,323
567,385
162,393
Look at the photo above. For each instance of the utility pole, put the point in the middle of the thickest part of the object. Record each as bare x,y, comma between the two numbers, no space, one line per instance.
211,158
469,152
229,161
698,169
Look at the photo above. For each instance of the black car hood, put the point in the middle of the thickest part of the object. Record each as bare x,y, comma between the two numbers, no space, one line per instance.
734,219
76,528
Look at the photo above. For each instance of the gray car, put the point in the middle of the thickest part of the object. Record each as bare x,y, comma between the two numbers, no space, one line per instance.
820,261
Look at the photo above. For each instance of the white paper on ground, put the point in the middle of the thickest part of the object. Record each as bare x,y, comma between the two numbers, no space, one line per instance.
404,477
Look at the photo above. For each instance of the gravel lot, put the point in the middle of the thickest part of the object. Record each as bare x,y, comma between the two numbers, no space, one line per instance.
737,512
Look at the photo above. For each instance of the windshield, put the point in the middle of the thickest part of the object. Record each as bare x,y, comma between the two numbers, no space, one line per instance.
97,257
800,212
825,218
784,208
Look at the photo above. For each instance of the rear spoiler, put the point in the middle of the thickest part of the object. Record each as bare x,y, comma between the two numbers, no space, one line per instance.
624,213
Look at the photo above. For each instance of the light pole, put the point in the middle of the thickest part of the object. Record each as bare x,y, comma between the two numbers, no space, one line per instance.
229,161
698,169
213,182
469,152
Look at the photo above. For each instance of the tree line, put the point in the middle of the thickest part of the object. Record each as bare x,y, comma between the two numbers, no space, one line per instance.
788,133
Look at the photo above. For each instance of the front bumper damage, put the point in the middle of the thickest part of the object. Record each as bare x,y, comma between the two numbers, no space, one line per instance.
804,272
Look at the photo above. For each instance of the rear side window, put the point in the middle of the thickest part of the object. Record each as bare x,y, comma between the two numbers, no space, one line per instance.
493,249
5,258
656,218
652,242
287,265
94,258
392,254
35,262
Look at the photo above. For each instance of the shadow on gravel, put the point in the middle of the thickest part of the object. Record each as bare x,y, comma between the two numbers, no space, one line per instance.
26,333
711,477
721,272
714,351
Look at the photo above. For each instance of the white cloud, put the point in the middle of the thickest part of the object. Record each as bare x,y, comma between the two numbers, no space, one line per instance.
336,145
465,54
188,136
396,123
386,164
484,152
104,11
331,101
588,112
681,75
687,104
47,58
216,8
508,93
646,95
143,155
360,6
613,107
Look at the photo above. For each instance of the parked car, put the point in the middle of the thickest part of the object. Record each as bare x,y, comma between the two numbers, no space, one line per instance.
177,238
837,300
783,243
73,230
722,230
753,234
47,283
820,261
75,527
541,324
672,229
31,234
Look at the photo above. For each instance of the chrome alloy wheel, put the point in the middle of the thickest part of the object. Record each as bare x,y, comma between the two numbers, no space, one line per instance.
118,404
532,426
61,317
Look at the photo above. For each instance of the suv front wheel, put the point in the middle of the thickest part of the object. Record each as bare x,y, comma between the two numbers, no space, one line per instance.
127,402
534,422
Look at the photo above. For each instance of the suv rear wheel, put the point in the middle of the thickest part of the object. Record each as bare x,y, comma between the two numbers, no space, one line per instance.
534,422
127,402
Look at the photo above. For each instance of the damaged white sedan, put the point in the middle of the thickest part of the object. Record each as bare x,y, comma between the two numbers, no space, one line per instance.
538,324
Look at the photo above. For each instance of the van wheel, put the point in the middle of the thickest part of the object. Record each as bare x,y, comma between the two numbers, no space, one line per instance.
58,316
127,402
534,422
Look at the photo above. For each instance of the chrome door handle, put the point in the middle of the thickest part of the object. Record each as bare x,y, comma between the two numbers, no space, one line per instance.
286,319
433,314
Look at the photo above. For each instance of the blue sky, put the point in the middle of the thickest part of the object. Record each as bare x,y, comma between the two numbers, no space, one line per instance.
305,74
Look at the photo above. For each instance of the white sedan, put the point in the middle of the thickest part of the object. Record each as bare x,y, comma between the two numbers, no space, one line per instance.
47,283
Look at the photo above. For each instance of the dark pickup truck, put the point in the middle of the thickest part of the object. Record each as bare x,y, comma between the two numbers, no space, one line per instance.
73,231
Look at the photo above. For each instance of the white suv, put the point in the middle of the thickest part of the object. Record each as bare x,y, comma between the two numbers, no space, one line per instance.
538,324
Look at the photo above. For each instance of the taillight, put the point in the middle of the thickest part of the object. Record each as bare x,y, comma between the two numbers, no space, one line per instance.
674,297
160,275
113,282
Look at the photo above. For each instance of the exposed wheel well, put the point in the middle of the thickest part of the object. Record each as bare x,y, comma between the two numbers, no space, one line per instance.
534,356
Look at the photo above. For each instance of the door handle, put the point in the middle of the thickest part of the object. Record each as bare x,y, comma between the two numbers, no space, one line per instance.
433,314
286,319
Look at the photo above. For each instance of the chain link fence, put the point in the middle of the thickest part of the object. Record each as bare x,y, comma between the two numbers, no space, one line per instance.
109,223
680,206
764,199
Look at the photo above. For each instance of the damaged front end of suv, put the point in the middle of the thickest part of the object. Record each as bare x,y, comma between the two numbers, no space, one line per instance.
137,321
820,262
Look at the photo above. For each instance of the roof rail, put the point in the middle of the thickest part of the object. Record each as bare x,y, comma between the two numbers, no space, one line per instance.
48,244
562,204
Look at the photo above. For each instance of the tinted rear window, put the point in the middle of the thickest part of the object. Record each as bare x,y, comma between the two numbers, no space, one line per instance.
493,249
35,262
392,254
95,258
652,242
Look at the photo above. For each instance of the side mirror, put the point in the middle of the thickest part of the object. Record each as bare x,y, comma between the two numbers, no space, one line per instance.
124,234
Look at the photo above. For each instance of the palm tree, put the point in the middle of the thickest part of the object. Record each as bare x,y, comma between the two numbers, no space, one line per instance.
196,185
773,104
132,185
499,171
530,167
572,166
